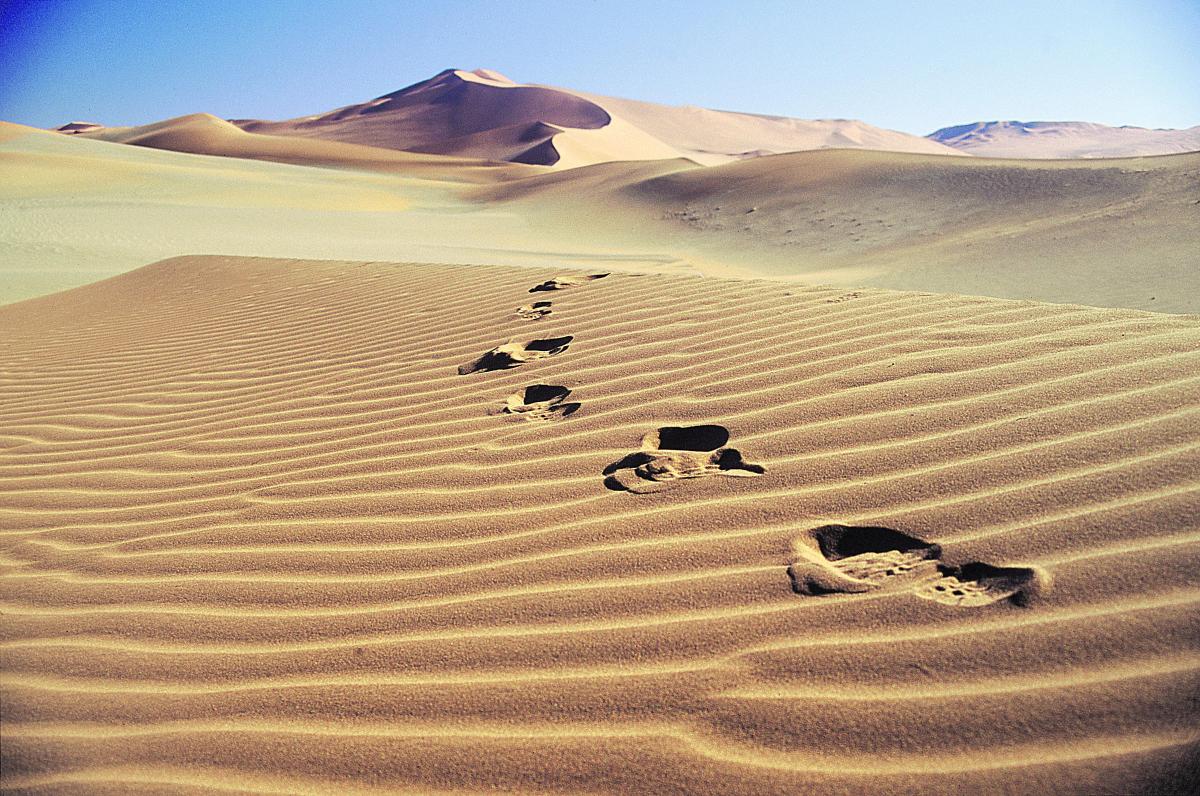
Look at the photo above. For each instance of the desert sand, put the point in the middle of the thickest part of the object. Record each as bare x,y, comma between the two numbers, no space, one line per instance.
495,436
1062,231
484,114
262,532
127,206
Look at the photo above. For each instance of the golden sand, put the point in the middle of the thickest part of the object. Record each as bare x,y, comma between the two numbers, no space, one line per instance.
258,533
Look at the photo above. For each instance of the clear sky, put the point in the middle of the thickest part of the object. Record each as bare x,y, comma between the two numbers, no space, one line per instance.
912,66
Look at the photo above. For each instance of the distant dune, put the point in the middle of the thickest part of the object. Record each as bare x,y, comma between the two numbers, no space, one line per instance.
204,134
1065,140
1100,232
480,114
260,534
486,115
710,136
1110,233
76,210
71,128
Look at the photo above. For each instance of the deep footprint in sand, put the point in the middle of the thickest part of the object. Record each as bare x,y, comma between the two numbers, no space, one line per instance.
541,402
564,282
673,453
510,355
854,559
531,312
977,584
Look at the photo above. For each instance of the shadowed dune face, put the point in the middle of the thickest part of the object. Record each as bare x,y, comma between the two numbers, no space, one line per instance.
255,533
454,113
74,128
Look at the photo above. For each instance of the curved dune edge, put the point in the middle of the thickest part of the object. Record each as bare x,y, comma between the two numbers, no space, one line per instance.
204,134
485,115
256,532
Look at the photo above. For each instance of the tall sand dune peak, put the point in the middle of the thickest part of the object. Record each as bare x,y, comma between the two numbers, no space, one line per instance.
479,114
486,115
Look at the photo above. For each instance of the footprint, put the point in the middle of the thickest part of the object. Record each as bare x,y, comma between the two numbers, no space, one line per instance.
977,584
531,312
673,453
686,438
510,355
850,559
563,282
541,402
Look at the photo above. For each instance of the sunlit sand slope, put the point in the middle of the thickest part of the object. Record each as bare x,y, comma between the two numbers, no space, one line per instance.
1115,233
335,527
74,210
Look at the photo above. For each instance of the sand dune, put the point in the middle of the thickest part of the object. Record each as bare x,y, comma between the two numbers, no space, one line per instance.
480,114
258,533
76,210
1108,233
485,114
204,134
711,136
1065,140
1116,233
73,128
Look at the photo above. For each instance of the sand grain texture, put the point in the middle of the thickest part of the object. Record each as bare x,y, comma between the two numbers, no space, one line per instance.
259,534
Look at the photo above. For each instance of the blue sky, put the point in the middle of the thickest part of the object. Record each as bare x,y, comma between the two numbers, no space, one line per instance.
909,66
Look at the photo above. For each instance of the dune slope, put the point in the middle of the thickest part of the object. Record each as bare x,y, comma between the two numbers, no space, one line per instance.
204,134
480,114
74,210
485,114
714,136
1119,232
258,531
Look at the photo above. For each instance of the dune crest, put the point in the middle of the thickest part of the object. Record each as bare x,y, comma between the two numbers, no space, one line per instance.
480,114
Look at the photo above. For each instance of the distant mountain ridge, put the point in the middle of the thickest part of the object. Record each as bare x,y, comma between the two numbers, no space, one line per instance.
1015,139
